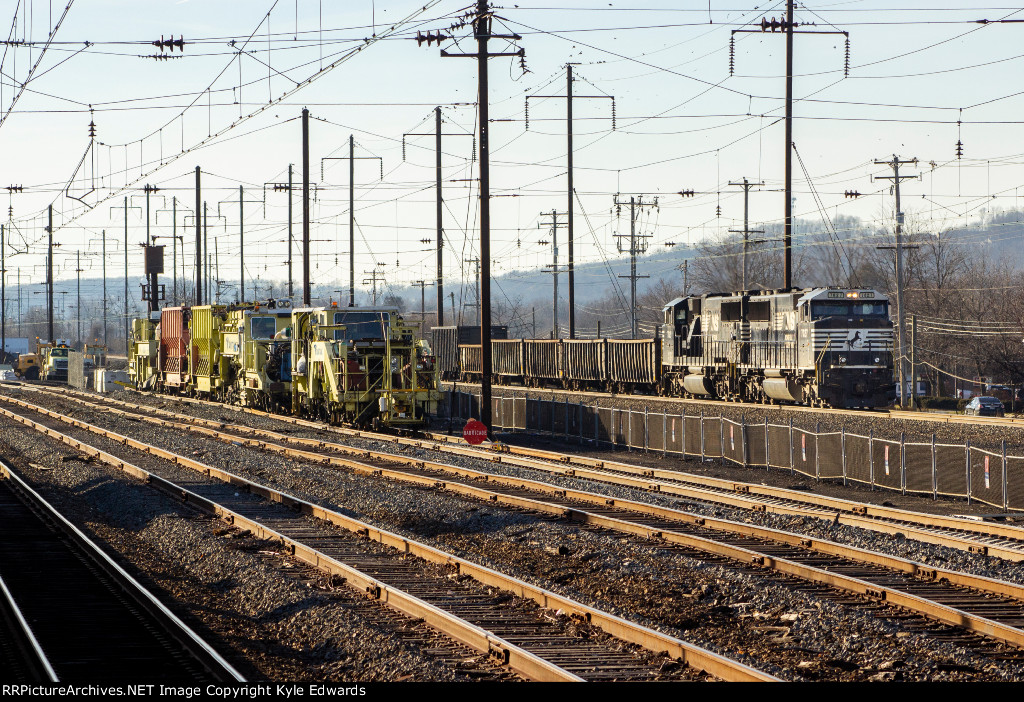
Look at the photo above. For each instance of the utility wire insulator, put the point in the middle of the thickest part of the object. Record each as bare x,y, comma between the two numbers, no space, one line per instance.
430,38
775,25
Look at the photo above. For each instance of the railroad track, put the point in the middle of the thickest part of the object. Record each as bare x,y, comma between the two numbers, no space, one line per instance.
987,538
939,417
23,657
477,606
76,616
991,608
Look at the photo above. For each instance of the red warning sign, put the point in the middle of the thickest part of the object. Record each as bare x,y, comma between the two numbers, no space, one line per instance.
475,432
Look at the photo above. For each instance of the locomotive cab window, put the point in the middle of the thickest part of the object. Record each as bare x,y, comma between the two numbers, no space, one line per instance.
360,325
262,327
820,310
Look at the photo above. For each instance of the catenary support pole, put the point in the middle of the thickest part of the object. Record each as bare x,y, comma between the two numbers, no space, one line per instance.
291,241
241,244
352,221
105,289
306,292
49,273
440,218
199,240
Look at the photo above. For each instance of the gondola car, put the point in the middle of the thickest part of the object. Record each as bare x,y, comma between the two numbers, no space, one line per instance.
827,347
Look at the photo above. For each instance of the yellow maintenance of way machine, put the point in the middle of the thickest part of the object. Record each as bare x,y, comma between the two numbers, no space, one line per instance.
361,366
257,351
364,367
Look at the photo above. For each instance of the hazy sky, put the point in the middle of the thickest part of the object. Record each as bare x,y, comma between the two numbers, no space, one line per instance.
922,76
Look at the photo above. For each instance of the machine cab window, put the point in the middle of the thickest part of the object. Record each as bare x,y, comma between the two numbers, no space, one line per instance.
360,325
262,327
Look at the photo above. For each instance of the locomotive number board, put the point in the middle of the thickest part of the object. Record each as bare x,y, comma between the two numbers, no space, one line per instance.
839,294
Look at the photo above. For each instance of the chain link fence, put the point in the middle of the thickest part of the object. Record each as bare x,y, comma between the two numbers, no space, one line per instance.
920,468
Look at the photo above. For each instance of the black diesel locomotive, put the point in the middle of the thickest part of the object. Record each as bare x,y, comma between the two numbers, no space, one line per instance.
825,347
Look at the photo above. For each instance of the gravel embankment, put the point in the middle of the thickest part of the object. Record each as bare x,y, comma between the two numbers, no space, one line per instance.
779,626
264,611
896,545
980,435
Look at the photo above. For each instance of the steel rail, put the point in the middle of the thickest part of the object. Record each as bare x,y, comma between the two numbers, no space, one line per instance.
528,664
190,641
23,638
877,589
953,532
987,538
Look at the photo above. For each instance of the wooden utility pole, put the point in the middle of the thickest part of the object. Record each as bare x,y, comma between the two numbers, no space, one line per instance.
788,25
352,158
241,241
476,288
126,320
787,235
746,231
552,267
422,285
206,253
637,244
896,179
375,276
289,188
482,33
439,205
570,190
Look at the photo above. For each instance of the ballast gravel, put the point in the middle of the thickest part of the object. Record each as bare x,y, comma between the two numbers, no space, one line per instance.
769,622
987,436
238,592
